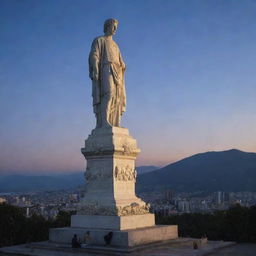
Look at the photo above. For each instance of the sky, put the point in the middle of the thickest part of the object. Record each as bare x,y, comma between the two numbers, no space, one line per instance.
190,79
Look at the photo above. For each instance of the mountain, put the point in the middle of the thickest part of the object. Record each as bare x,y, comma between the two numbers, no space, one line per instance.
144,169
231,170
24,183
29,183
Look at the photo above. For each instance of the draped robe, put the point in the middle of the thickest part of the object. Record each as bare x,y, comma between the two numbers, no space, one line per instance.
108,90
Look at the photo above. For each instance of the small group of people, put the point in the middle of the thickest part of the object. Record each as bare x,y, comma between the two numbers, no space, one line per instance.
77,243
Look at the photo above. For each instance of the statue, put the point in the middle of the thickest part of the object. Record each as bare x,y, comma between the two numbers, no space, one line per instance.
106,69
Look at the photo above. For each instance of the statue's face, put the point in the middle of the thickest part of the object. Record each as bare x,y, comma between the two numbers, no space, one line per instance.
112,29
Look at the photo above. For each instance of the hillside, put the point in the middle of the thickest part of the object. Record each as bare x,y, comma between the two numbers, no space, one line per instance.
24,183
28,183
230,170
145,169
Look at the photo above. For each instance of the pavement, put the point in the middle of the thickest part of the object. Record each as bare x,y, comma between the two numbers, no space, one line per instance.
242,249
176,247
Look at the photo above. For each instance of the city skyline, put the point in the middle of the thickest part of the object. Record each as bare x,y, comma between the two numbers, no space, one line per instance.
190,79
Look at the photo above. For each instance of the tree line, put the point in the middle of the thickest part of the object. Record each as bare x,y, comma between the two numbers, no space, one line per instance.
237,224
16,228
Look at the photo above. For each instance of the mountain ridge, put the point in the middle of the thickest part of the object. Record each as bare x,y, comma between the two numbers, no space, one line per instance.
56,181
229,170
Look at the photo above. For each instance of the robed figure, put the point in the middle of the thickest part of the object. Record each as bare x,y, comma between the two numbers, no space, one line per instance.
106,69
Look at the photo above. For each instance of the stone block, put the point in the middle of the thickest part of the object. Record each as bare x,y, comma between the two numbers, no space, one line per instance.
113,222
123,238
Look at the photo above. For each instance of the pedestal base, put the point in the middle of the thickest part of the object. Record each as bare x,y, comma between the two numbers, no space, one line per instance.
124,238
113,222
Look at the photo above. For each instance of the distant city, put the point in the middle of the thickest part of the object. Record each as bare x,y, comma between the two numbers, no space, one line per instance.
170,203
166,203
202,183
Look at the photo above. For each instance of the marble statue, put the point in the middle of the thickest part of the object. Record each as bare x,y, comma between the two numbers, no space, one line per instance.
110,201
106,69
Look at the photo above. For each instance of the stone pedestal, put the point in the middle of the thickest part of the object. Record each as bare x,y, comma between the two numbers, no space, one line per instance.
110,174
110,203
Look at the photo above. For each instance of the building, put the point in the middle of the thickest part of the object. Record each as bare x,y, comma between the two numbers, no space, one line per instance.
2,200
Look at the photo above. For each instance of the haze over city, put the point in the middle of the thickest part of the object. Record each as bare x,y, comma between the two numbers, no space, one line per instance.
190,79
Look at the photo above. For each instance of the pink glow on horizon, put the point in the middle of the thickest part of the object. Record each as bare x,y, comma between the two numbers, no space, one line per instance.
65,163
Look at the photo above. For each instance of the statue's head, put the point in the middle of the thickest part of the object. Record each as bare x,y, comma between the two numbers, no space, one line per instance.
110,26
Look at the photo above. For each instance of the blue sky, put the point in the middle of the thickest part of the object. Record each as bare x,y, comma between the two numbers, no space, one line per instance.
190,78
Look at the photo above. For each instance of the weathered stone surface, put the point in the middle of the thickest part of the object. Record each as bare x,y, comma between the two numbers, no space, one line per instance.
113,222
109,140
110,174
123,238
96,209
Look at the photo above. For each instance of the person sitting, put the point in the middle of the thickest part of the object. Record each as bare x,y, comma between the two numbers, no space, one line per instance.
108,238
195,245
75,242
87,239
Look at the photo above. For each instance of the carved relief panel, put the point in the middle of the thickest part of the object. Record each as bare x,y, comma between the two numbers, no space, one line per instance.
125,173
